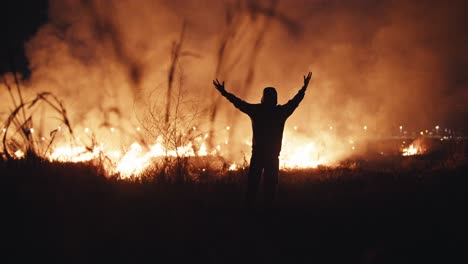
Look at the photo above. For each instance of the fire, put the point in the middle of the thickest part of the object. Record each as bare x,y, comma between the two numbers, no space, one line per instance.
411,150
19,154
233,167
301,156
120,156
415,148
73,154
128,163
136,158
134,161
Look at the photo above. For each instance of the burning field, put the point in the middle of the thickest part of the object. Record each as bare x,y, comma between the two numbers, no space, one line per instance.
115,146
115,85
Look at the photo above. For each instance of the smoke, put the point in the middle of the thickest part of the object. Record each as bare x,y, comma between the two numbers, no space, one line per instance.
379,64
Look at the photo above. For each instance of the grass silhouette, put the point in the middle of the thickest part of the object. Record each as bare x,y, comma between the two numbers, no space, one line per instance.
361,213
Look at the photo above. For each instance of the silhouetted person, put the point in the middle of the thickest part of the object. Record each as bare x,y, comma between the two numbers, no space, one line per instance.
268,119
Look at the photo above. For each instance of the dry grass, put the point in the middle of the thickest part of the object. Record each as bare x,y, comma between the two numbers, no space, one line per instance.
70,212
18,131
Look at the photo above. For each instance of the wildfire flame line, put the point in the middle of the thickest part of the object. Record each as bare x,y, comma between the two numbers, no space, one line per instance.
136,159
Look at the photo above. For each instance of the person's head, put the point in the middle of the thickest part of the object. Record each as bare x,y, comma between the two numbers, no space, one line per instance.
270,97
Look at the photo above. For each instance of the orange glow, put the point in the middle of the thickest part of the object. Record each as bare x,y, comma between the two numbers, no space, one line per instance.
19,154
415,148
233,167
409,151
300,156
131,161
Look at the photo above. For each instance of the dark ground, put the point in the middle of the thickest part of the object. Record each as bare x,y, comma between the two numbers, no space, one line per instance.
401,210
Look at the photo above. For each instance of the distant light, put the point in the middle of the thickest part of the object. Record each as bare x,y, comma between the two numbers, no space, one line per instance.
401,127
295,128
437,127
352,147
331,127
86,130
112,129
31,130
228,128
364,127
422,133
138,129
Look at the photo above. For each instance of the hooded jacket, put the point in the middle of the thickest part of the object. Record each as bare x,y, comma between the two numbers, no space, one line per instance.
268,120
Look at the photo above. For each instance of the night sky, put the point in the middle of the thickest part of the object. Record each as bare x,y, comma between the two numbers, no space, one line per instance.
21,19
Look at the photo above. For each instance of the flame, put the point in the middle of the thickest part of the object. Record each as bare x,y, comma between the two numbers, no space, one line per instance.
74,154
233,167
19,154
301,156
131,161
134,162
415,148
411,150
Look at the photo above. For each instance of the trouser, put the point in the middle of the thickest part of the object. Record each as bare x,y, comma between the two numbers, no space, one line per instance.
270,168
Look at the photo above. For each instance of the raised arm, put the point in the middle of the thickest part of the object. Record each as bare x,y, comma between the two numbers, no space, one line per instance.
237,102
292,104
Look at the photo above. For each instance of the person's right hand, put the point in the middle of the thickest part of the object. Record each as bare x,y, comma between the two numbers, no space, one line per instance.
218,85
307,80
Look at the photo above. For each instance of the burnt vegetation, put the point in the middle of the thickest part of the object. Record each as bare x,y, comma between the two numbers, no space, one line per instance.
392,210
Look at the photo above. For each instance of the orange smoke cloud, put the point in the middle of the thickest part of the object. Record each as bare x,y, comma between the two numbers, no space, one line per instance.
374,62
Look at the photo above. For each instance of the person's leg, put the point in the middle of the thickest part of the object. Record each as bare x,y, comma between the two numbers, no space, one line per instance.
254,175
270,180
